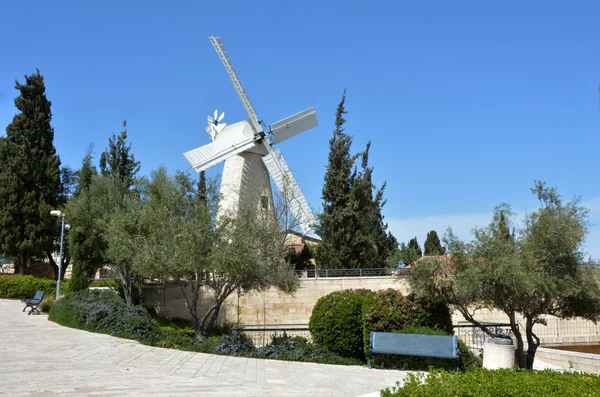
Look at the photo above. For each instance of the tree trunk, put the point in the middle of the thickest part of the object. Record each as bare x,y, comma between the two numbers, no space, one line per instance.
517,333
533,342
213,318
191,303
126,282
22,265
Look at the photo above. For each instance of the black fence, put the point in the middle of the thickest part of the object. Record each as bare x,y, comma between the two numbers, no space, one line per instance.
263,334
323,273
475,338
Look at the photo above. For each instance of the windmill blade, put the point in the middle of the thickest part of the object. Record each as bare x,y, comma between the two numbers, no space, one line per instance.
221,117
216,42
294,125
208,155
210,119
288,187
216,114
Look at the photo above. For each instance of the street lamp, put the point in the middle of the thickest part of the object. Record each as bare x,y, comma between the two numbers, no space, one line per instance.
59,214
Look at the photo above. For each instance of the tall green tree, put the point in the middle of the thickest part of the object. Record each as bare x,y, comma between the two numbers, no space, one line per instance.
433,246
541,271
118,160
336,221
374,246
86,173
88,214
411,252
29,175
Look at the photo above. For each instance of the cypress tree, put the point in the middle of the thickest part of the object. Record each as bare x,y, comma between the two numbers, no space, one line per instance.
336,221
374,246
87,171
117,160
29,176
432,245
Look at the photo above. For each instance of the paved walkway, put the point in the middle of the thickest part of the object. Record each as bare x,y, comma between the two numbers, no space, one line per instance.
41,358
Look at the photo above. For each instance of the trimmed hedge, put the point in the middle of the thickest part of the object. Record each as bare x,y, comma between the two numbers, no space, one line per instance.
23,287
336,322
502,382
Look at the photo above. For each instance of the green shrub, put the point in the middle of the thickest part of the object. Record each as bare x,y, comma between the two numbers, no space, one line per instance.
23,287
297,348
389,311
105,283
47,303
336,322
236,343
104,312
502,382
468,361
436,314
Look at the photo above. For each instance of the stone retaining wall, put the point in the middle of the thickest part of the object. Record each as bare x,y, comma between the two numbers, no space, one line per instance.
271,306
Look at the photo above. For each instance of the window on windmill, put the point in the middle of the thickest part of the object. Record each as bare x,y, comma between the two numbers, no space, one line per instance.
264,202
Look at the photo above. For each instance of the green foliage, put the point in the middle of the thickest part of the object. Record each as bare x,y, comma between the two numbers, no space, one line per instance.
336,322
236,343
118,161
296,348
433,246
351,225
300,260
436,313
389,311
411,252
25,287
30,183
502,382
105,312
539,271
86,173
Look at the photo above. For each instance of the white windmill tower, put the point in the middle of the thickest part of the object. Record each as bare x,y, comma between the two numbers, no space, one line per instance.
250,158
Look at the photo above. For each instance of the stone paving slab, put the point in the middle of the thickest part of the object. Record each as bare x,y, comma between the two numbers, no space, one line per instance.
41,358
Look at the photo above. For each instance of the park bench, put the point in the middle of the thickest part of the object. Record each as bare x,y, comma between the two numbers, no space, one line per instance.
34,302
438,346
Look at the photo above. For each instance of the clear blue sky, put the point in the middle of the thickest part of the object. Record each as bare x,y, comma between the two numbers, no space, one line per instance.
466,103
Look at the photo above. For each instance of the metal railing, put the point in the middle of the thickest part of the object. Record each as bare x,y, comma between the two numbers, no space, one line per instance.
262,334
374,272
474,337
565,327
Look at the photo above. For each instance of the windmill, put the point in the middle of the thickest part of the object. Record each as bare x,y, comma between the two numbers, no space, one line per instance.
247,150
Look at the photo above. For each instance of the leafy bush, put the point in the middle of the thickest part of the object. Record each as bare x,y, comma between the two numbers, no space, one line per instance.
105,283
502,382
336,322
297,348
23,287
179,326
389,311
467,361
436,314
236,343
47,303
105,312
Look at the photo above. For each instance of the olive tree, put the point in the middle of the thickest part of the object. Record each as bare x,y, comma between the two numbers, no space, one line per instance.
540,270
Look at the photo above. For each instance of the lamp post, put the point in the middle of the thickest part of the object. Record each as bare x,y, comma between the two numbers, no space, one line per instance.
59,214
